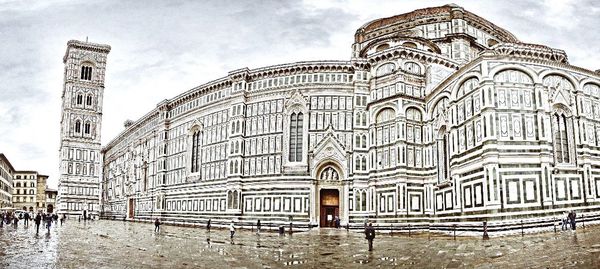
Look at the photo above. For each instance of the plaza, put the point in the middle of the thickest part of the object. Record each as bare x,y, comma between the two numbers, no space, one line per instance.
122,244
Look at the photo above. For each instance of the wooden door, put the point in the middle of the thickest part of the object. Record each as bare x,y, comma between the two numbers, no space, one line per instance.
329,207
131,208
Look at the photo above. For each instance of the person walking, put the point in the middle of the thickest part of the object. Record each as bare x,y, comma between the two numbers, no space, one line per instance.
38,221
231,230
208,225
258,227
573,223
565,221
48,222
62,219
157,225
26,222
370,235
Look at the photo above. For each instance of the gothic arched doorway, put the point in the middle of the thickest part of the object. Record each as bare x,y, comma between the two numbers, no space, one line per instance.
329,195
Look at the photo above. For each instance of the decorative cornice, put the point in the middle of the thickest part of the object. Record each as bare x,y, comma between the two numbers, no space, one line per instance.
414,54
532,51
101,48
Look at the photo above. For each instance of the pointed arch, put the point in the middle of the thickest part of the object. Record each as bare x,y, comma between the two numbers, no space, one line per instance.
562,134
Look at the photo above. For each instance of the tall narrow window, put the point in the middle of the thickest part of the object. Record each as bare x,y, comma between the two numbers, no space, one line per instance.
442,150
86,73
196,151
363,200
86,128
296,125
562,132
79,99
77,127
364,163
88,100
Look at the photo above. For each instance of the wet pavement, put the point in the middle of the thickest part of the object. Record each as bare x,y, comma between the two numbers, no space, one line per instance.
116,244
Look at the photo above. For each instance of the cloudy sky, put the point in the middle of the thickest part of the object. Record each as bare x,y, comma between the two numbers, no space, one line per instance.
162,48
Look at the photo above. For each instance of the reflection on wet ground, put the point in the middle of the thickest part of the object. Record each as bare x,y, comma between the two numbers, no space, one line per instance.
115,244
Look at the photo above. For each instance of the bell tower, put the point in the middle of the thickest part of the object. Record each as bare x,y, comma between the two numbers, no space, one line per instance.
80,125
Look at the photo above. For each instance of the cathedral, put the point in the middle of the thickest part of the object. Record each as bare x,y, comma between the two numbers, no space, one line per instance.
439,118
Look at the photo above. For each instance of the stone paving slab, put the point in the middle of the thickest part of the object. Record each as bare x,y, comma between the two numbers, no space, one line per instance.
115,244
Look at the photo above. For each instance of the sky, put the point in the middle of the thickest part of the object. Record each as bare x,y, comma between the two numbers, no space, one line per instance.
163,48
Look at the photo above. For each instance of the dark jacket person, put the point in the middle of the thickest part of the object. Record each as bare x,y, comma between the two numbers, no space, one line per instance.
370,235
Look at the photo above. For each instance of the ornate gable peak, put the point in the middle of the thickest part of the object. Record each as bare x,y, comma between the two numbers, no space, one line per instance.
561,97
329,150
330,140
440,122
296,99
196,125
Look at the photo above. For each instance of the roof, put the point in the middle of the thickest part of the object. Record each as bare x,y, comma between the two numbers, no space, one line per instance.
427,15
26,172
3,157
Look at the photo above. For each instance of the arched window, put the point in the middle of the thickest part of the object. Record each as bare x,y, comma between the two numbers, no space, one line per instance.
386,114
88,100
86,128
79,99
382,47
385,69
592,89
409,45
513,76
467,86
295,148
86,72
32,185
77,127
357,141
562,128
196,151
556,82
413,114
492,42
412,68
364,141
18,184
440,107
30,191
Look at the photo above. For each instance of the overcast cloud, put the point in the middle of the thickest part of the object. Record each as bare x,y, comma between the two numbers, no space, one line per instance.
163,48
